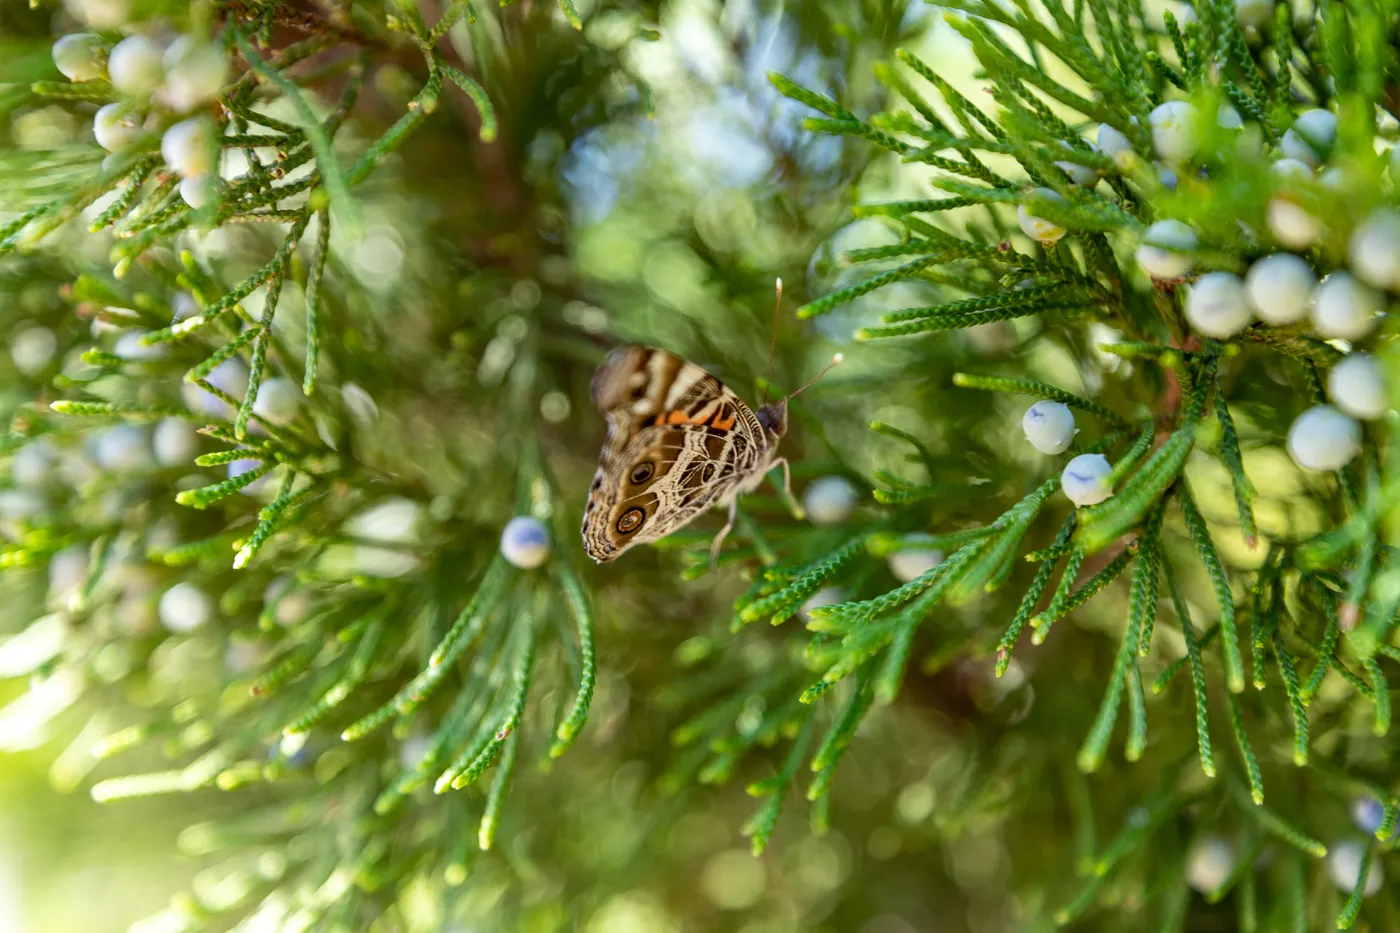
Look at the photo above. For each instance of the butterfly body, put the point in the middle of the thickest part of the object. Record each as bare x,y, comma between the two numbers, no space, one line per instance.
679,442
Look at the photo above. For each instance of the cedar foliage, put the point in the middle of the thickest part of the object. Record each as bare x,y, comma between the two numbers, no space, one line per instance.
258,475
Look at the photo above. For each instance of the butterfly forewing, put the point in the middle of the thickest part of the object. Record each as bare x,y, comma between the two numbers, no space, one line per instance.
678,442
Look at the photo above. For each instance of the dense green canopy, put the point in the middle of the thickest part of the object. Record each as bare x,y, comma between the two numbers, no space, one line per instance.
1083,613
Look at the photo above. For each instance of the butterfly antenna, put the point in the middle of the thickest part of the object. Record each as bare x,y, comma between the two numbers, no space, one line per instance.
825,369
773,343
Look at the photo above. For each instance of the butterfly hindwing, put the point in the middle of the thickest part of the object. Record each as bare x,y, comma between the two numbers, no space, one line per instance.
678,442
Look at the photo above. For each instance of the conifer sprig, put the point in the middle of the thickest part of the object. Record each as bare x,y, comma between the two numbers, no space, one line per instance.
1212,56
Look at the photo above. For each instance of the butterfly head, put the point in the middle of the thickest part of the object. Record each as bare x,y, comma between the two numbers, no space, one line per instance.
773,418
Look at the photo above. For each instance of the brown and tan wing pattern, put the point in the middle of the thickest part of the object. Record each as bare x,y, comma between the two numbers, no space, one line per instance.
678,441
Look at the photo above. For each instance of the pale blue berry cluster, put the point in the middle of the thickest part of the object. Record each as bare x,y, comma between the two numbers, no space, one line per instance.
1049,427
1283,288
164,81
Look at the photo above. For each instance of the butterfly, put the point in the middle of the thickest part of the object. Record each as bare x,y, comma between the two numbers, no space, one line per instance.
679,441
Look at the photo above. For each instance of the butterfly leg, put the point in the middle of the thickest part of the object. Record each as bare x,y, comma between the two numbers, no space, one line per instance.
797,511
723,533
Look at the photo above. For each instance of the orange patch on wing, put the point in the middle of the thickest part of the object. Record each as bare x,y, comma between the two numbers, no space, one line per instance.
677,417
722,424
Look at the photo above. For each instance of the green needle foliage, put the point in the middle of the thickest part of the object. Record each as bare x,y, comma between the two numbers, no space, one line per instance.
1184,387
268,420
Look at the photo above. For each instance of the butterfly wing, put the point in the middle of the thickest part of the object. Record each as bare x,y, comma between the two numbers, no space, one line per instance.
678,441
